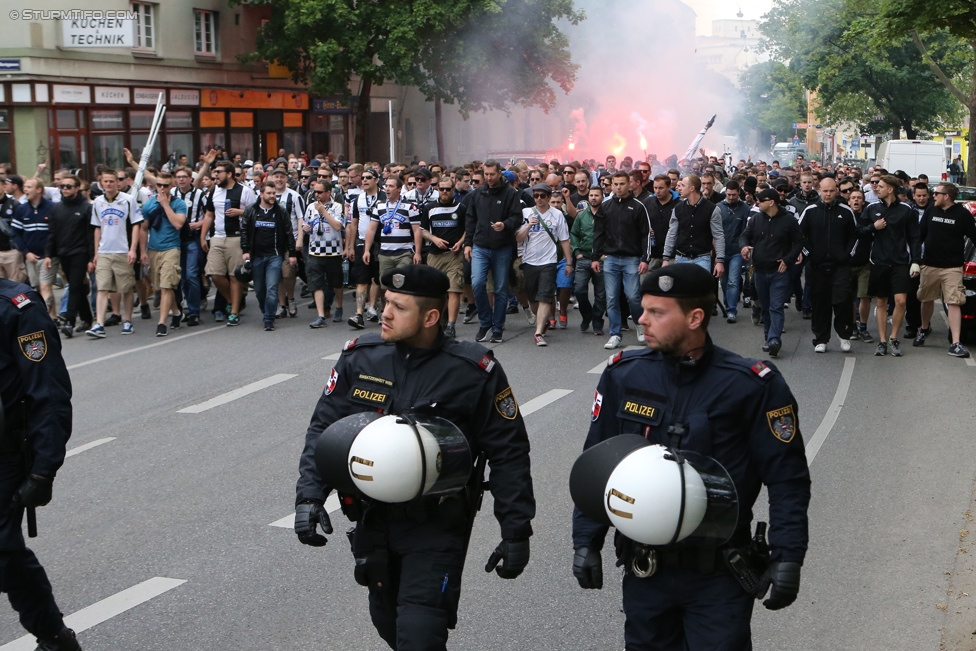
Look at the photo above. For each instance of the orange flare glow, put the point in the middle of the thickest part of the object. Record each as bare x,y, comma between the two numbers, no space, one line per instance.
619,144
643,141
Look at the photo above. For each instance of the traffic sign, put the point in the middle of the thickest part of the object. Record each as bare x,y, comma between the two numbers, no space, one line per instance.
800,125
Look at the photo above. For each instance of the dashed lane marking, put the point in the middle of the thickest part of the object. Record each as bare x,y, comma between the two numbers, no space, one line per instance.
231,396
288,522
105,609
87,446
596,370
546,398
843,386
333,357
129,351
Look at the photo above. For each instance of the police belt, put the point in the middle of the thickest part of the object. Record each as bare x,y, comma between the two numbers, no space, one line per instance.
424,509
705,560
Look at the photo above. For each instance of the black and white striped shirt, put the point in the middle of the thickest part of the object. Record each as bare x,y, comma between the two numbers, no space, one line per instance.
396,220
324,240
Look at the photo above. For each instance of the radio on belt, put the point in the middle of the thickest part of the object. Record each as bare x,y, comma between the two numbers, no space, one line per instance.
393,459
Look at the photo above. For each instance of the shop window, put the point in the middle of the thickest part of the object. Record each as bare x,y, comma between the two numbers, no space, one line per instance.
108,149
139,141
180,144
294,142
204,33
141,119
67,119
5,137
145,27
243,144
69,151
212,140
179,120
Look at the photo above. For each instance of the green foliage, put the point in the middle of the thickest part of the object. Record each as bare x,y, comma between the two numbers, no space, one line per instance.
774,100
881,84
958,17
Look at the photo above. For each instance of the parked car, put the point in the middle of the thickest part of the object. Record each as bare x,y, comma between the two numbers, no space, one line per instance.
969,280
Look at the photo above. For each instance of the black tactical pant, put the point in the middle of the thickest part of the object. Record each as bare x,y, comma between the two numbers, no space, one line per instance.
21,575
417,604
831,293
679,609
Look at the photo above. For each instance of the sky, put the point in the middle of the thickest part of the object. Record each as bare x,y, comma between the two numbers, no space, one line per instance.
709,10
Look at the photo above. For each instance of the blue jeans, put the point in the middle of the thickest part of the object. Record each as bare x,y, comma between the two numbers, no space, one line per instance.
731,280
190,282
773,289
590,313
267,273
703,261
498,261
621,272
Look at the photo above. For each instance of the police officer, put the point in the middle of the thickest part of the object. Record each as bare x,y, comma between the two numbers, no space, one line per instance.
411,555
688,394
36,394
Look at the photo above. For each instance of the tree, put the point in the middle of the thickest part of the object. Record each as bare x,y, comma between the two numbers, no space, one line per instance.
775,99
461,51
955,17
829,44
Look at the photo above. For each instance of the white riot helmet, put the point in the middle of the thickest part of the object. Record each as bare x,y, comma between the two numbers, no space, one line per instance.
655,495
393,459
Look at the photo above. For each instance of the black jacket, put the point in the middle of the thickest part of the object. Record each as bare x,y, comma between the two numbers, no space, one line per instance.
897,243
829,233
943,233
660,218
773,239
284,238
861,255
622,228
456,380
800,201
69,230
487,205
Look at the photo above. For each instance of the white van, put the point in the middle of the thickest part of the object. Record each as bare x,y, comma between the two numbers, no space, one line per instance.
914,157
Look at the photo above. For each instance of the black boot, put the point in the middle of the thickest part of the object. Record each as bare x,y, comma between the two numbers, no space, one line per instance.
63,641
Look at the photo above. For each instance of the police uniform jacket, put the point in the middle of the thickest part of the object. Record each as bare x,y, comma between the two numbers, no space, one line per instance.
456,380
737,411
34,382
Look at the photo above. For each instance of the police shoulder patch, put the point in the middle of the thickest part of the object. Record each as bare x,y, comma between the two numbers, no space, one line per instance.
33,346
597,405
782,423
761,369
349,345
506,405
487,363
331,385
21,301
615,358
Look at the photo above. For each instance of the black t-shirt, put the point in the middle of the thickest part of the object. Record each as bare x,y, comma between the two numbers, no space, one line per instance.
264,233
942,234
445,221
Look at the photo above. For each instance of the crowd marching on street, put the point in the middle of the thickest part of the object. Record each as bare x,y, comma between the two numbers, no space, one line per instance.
544,241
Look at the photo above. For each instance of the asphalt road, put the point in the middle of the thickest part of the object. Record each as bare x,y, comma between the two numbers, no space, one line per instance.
191,498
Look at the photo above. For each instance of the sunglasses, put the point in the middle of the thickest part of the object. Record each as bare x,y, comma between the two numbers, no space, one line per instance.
446,189
539,195
411,184
874,182
121,178
367,177
939,192
321,192
162,186
305,177
67,186
475,182
846,190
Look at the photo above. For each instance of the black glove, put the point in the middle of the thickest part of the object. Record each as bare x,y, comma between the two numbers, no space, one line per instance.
306,517
35,491
785,579
515,556
588,568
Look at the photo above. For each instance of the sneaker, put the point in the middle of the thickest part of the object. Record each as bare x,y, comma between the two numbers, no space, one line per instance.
233,320
529,316
881,350
895,348
282,312
747,302
484,334
127,328
162,330
156,298
958,350
598,331
174,323
450,331
807,315
356,321
820,348
293,310
82,327
911,333
756,316
192,320
584,326
319,322
765,347
472,311
865,336
774,347
921,336
640,335
540,340
496,337
113,320
306,291
845,345
219,317
372,314
613,342
311,306
625,327
68,330
511,309
328,310
145,311
552,324
269,326
563,321
337,315
730,318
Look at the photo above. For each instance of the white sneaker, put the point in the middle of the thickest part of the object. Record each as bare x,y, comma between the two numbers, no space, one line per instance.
613,342
845,345
529,316
640,335
822,348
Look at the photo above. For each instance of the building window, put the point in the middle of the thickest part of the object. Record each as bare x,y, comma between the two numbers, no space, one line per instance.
145,27
204,33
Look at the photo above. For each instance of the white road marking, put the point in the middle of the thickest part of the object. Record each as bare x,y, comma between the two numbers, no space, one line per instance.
146,347
546,398
105,609
333,357
231,396
87,446
596,370
288,522
970,361
813,447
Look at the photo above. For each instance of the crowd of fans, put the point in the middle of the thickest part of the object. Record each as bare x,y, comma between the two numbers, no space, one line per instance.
544,240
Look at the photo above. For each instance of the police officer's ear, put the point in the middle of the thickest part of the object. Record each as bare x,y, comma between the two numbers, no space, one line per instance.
431,310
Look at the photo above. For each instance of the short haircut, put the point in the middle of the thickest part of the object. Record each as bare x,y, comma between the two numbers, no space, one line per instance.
427,303
71,177
694,180
704,303
225,165
398,179
950,189
635,175
164,176
732,185
37,182
891,181
268,184
664,178
107,170
920,186
491,162
623,175
355,167
708,175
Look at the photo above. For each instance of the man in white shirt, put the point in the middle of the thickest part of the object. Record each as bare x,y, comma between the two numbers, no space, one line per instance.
543,230
116,250
294,205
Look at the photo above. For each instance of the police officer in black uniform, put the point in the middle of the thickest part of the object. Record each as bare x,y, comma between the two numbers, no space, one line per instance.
411,555
689,394
36,393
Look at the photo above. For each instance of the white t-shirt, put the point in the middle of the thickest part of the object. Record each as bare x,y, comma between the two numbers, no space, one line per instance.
220,203
538,248
297,207
112,217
